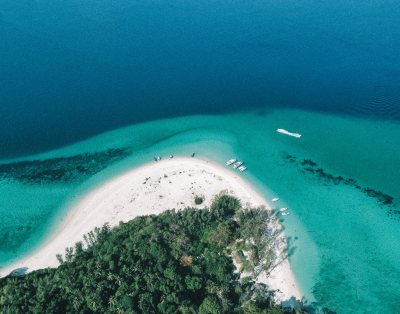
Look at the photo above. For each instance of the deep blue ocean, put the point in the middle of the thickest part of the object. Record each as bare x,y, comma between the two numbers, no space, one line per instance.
217,77
73,69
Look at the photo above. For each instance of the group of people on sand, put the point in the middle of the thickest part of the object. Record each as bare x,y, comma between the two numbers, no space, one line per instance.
170,157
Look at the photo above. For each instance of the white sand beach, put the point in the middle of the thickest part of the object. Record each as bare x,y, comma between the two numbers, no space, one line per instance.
150,189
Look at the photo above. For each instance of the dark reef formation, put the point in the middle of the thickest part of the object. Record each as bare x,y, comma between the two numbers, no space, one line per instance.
291,158
55,171
311,167
308,162
63,169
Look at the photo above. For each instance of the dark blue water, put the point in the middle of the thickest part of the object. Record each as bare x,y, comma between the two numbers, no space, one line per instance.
73,69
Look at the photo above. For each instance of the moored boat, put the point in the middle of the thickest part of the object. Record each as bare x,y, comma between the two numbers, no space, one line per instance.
230,162
275,199
242,168
285,213
282,209
239,163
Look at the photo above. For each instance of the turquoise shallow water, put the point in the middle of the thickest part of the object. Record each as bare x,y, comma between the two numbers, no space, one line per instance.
344,244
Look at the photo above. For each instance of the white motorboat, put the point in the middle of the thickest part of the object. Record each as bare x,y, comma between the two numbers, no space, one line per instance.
242,168
285,213
239,163
170,156
230,162
288,133
275,199
282,209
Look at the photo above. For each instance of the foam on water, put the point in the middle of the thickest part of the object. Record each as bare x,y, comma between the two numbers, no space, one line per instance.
343,238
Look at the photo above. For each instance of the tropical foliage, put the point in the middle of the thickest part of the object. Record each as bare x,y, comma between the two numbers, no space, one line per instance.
198,200
176,262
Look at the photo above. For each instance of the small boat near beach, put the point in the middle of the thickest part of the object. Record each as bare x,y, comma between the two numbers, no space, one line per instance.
285,213
288,133
192,155
230,162
170,156
282,209
275,199
242,168
239,163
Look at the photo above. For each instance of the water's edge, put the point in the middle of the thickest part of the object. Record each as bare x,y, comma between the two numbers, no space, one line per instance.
320,177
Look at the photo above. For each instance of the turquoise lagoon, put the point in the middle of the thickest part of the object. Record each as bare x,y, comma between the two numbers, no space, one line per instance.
343,235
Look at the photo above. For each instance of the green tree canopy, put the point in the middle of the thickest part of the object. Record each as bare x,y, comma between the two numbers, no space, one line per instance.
175,262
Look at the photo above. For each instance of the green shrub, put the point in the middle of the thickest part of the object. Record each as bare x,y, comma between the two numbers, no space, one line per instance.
198,200
247,247
247,266
240,245
227,252
246,279
210,305
225,204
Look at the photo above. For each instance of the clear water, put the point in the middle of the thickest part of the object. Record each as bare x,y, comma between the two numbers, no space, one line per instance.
344,244
217,78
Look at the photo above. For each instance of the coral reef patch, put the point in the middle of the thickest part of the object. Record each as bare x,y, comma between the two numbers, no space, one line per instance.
61,170
310,166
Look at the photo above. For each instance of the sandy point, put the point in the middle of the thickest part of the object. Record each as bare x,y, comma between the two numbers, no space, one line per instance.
151,189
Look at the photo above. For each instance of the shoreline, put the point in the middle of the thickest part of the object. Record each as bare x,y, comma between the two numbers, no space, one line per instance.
151,189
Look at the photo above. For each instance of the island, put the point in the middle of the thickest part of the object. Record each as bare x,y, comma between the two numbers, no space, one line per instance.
174,236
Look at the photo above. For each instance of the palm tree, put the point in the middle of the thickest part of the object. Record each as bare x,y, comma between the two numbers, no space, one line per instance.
136,277
118,280
154,238
76,304
112,300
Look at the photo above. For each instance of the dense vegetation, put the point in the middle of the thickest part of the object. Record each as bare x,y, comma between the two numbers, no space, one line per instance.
176,262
